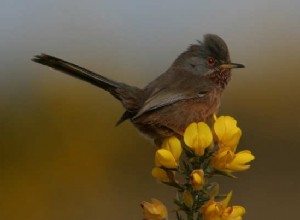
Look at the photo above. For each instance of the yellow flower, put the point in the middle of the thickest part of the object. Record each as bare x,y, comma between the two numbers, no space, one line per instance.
154,210
226,160
227,132
173,145
188,199
198,137
213,210
165,158
160,174
169,154
197,179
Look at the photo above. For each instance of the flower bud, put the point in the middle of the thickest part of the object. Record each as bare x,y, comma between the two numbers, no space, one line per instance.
188,199
160,174
154,210
197,179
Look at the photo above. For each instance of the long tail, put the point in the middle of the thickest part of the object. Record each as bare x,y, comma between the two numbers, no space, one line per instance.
130,96
77,71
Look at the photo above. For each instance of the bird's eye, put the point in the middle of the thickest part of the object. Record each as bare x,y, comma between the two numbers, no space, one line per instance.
211,61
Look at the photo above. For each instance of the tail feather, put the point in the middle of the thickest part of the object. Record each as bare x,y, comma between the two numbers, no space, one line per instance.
131,97
78,72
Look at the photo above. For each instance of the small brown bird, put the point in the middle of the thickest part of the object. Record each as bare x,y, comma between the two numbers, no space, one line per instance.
189,91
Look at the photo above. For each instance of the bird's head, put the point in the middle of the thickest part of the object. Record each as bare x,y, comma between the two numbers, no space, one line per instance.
208,58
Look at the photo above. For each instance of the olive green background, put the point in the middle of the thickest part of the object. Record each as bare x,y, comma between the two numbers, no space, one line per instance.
62,158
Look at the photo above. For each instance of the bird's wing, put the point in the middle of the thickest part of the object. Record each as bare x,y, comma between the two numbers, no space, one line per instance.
182,89
161,99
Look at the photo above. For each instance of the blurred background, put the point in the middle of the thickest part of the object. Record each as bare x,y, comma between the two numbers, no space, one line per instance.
62,158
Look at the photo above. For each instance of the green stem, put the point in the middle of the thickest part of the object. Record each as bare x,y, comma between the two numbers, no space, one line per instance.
190,215
174,184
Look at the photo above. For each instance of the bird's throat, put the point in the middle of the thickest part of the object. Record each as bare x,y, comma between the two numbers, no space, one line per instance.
221,78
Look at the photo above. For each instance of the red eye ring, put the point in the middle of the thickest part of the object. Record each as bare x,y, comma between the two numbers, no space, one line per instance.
211,61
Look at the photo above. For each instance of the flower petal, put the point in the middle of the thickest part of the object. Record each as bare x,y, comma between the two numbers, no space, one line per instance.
219,127
237,211
232,140
226,201
165,158
222,158
227,131
173,145
239,162
198,136
160,174
213,210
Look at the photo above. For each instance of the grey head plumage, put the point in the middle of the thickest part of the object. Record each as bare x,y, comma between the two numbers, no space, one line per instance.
195,57
209,57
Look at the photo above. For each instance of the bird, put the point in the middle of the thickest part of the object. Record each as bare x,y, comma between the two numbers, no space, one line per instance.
190,90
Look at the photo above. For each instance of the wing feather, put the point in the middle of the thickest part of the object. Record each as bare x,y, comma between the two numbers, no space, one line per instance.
186,86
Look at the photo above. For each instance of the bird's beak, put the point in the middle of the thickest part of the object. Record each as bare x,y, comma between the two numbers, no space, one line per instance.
231,65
